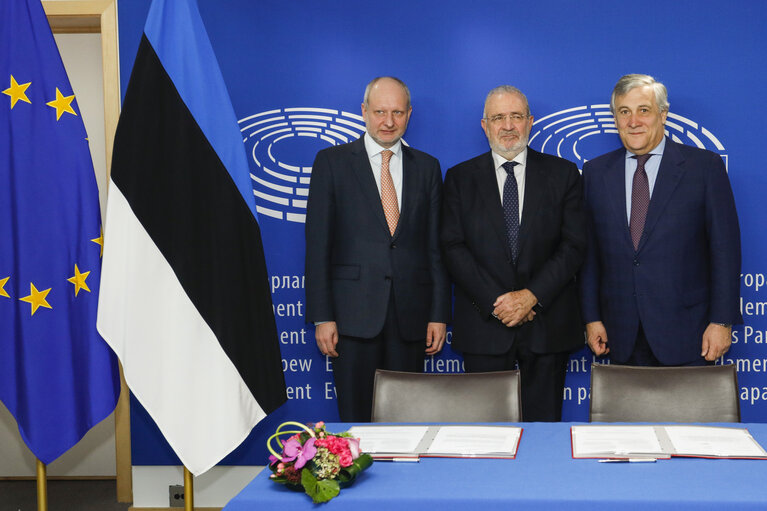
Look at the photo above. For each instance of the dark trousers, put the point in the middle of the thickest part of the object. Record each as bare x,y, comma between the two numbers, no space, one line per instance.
358,358
643,355
542,375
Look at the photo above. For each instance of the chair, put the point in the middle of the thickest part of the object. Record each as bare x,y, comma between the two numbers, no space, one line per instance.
471,397
664,394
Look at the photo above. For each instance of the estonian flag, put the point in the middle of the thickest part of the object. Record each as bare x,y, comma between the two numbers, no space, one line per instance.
57,376
185,301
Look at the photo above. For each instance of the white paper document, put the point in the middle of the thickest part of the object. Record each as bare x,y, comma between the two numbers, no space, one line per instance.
663,441
716,442
606,440
475,440
391,442
389,439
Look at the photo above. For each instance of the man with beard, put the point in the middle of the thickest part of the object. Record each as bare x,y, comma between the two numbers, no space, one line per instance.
513,237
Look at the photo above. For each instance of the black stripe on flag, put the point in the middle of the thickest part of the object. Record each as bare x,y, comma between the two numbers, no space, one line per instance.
184,197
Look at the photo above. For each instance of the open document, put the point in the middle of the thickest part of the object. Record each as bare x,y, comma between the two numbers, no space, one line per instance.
656,441
402,442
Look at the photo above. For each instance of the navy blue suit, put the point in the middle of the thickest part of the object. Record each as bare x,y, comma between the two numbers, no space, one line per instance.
367,280
685,273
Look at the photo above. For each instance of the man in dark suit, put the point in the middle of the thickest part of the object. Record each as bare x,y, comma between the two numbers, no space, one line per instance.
513,238
660,284
376,287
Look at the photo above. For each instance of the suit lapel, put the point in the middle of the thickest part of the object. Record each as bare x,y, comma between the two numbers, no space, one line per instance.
364,174
409,177
669,175
487,187
615,184
535,188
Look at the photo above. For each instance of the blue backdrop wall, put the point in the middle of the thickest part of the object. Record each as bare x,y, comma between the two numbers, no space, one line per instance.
296,72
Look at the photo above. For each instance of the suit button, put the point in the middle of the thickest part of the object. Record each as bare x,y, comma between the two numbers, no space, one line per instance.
393,245
636,262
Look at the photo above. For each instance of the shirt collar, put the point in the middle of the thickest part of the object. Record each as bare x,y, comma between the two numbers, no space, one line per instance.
658,149
521,158
373,148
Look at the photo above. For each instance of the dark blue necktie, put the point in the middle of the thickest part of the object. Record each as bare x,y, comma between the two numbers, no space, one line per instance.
511,208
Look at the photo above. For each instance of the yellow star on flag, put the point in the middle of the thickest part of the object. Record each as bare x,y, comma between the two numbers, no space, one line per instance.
3,292
100,241
78,279
36,298
62,104
17,92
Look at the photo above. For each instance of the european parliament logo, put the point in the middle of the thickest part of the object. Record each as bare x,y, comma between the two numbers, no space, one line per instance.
281,144
584,132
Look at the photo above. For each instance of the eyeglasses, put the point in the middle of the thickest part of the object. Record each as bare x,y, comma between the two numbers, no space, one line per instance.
499,118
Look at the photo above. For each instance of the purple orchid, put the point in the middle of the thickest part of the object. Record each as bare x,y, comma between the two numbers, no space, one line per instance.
293,450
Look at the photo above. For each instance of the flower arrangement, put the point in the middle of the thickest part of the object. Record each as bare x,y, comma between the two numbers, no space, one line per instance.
315,461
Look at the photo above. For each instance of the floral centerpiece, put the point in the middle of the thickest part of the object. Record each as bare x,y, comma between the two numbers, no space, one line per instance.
315,461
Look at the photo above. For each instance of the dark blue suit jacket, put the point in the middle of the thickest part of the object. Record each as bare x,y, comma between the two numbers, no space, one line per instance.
353,263
685,273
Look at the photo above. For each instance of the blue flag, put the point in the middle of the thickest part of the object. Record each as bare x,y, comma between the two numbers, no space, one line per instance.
57,376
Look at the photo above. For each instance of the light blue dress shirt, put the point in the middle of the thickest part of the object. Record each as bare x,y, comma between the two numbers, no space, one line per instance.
651,168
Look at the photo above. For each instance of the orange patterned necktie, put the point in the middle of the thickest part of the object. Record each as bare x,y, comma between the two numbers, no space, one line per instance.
388,193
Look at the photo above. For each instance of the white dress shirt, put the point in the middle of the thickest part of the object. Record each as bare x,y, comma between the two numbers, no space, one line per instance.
395,165
519,173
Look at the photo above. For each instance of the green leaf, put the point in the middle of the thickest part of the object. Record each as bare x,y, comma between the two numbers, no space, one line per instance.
364,461
319,491
348,474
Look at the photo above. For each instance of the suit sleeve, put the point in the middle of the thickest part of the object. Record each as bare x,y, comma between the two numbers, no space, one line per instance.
320,210
440,302
471,277
589,277
724,245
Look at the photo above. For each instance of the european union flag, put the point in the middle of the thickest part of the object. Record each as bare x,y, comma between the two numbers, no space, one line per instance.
57,376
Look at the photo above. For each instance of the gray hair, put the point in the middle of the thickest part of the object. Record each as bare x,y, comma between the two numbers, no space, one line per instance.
628,82
379,78
505,89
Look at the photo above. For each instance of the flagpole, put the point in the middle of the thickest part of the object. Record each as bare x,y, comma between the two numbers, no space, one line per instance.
188,490
42,487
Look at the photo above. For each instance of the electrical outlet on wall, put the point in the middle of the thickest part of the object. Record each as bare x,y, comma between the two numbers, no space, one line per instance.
176,495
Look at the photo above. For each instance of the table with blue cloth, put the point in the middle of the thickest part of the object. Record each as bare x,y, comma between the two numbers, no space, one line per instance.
542,477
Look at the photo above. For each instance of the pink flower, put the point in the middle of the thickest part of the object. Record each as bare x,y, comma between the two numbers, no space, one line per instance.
354,447
320,424
293,450
334,444
345,459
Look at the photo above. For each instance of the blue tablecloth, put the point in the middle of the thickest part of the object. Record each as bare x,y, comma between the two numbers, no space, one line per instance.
542,477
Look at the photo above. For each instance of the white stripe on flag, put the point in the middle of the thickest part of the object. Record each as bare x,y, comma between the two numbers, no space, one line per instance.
172,361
